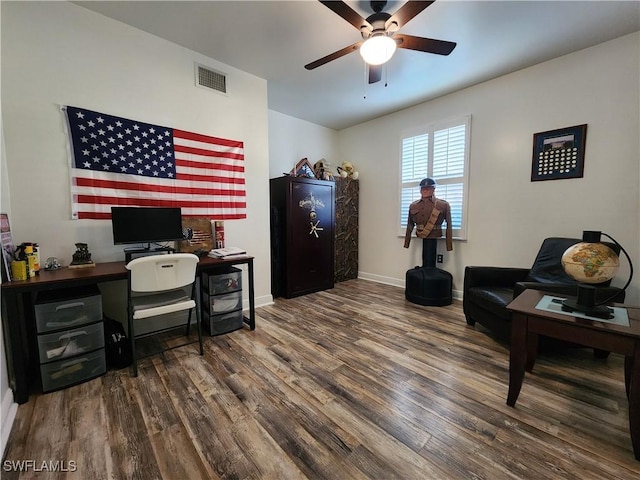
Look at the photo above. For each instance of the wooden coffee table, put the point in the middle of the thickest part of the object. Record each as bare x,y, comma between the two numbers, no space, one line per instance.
529,322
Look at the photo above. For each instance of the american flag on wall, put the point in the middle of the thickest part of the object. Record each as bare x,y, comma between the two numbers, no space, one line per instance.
120,162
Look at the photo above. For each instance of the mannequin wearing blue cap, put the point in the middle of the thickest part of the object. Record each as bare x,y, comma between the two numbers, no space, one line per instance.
428,214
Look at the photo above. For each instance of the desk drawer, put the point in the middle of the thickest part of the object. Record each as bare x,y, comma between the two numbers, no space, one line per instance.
68,313
56,346
215,284
223,322
71,371
222,303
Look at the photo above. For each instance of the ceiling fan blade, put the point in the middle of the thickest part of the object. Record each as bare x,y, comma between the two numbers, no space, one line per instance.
334,56
429,45
345,11
375,73
407,12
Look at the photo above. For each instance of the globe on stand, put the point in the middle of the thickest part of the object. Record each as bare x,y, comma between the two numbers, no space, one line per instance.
589,262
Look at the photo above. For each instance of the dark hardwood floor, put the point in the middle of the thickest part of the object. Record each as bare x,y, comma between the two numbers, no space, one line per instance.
350,383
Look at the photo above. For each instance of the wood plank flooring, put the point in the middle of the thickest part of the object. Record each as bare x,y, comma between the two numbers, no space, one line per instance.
350,383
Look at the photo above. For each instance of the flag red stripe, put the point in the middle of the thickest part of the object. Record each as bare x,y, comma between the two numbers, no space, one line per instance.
205,138
149,202
210,178
94,215
89,182
208,153
107,216
219,166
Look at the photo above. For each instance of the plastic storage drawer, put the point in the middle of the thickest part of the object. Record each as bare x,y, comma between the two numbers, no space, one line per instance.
222,303
68,313
71,371
59,345
223,323
215,284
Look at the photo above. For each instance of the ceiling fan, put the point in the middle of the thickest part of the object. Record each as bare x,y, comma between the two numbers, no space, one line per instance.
380,28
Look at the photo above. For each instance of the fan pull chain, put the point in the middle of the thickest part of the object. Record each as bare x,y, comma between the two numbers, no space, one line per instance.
364,81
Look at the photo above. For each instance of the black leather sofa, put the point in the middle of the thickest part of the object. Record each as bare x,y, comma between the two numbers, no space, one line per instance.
488,290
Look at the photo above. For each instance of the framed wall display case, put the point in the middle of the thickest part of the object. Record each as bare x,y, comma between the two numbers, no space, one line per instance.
559,154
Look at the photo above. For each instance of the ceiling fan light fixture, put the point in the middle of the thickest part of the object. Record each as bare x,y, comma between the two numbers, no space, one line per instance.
378,49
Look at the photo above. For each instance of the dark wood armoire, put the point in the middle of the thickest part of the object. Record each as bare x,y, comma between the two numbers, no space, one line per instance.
302,235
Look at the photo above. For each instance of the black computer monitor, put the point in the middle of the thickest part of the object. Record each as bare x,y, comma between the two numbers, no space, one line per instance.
146,225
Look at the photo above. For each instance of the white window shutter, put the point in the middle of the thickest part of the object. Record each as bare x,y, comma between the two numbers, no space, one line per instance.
445,160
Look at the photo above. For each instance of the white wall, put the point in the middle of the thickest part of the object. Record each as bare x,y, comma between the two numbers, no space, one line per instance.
291,139
509,215
57,53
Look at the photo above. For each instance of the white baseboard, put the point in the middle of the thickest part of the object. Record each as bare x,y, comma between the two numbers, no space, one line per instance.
397,282
262,301
8,412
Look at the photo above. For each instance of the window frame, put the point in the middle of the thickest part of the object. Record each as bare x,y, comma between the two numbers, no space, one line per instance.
430,129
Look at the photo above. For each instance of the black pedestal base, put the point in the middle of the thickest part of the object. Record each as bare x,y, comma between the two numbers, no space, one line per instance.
586,303
597,312
429,286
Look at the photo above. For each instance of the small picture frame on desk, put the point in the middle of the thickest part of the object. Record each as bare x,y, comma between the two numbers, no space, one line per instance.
200,235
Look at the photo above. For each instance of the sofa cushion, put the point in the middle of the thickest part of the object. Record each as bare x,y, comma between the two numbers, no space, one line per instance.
494,299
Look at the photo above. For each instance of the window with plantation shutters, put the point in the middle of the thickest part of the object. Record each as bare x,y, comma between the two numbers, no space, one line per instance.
439,151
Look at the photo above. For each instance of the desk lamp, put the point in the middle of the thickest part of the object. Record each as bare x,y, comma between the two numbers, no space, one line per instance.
592,262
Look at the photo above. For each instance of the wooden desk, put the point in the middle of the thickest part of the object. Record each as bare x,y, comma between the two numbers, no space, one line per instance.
528,323
18,315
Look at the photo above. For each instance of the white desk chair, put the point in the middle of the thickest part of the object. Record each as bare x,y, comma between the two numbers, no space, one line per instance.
156,287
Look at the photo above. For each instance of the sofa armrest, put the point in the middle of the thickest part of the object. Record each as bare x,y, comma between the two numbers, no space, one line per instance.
493,276
555,288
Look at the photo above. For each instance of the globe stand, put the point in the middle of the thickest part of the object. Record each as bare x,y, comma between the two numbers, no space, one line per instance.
585,303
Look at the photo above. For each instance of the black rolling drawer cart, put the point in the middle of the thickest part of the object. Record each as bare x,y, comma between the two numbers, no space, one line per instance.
70,337
222,300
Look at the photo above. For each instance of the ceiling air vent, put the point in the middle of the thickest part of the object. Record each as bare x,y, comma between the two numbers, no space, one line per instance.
205,77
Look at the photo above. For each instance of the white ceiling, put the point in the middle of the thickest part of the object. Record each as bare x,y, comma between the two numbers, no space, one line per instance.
275,39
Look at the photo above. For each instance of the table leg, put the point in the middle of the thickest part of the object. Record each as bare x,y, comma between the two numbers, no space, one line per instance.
532,351
632,379
252,303
14,331
517,356
628,368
